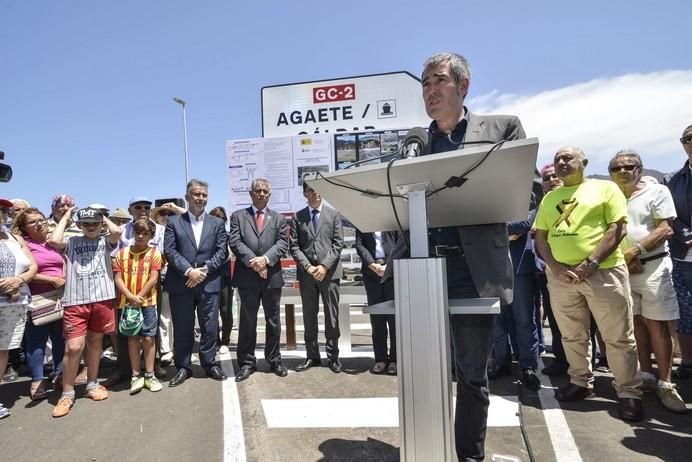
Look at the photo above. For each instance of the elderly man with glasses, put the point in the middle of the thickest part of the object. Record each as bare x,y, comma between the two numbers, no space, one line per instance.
681,251
650,212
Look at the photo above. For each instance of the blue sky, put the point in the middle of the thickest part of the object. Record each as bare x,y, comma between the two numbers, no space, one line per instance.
86,87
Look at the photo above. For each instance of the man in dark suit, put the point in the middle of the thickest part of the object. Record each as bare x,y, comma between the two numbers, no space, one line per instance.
375,251
258,238
477,256
317,238
195,244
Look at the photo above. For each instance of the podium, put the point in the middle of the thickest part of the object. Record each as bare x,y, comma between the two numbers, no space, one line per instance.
494,187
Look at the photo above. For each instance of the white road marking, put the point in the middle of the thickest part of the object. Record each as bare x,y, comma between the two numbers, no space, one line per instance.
233,436
364,412
561,437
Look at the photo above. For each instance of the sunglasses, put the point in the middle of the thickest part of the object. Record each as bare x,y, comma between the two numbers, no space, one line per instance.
550,177
628,168
686,139
90,224
141,207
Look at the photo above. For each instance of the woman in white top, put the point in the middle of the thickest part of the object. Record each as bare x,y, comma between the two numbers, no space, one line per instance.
17,268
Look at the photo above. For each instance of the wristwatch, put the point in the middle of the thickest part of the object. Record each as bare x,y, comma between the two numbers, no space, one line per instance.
591,263
642,249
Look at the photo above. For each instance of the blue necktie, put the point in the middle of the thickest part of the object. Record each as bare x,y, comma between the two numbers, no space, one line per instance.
314,220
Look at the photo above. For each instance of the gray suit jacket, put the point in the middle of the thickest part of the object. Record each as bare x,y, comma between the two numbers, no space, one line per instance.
182,252
486,247
246,243
322,248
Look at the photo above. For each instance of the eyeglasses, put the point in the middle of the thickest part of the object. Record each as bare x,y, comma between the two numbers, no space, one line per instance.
618,168
686,139
35,222
550,177
261,191
141,207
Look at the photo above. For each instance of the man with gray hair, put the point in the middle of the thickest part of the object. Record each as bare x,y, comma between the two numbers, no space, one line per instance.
650,211
258,237
196,247
579,227
477,257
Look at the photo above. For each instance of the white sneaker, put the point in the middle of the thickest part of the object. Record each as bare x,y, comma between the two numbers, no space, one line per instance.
670,398
223,350
167,357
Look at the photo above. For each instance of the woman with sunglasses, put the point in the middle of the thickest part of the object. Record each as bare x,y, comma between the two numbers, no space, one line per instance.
32,225
17,268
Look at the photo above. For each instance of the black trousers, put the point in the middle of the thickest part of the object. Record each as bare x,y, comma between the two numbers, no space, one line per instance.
310,293
183,309
383,325
226,312
247,328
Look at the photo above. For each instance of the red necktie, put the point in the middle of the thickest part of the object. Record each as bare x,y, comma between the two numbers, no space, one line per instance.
259,220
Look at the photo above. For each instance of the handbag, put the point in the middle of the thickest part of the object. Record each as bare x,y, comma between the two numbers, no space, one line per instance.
131,320
46,307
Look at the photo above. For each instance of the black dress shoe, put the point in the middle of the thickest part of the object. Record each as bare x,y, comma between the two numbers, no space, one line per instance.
496,373
280,370
379,367
391,368
244,373
335,365
117,376
630,409
572,392
555,368
179,378
307,364
216,373
530,379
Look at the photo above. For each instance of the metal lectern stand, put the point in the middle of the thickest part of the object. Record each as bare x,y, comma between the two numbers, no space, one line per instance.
426,414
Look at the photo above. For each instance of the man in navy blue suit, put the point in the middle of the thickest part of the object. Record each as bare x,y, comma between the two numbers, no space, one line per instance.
195,246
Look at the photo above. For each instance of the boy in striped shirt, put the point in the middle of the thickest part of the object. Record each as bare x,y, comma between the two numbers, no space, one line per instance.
88,299
136,271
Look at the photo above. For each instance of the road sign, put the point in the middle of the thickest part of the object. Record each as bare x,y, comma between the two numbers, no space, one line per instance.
371,102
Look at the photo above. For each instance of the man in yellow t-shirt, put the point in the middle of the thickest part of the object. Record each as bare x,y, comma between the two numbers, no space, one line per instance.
578,229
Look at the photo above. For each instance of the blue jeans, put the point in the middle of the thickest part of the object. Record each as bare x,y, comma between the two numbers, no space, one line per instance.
36,338
471,346
518,323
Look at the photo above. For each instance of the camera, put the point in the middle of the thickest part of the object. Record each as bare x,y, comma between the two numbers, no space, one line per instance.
5,170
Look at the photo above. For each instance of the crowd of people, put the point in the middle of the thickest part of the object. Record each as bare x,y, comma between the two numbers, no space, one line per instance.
607,262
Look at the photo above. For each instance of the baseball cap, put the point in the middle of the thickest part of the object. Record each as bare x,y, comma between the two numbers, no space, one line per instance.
121,213
139,200
5,203
89,215
98,206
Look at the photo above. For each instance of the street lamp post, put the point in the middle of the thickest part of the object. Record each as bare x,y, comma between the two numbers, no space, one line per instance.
182,103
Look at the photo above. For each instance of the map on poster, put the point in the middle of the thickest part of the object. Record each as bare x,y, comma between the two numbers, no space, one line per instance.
283,160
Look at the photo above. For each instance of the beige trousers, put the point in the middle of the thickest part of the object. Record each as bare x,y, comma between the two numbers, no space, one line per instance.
606,295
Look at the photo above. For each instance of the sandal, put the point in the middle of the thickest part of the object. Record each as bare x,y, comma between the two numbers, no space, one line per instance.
38,392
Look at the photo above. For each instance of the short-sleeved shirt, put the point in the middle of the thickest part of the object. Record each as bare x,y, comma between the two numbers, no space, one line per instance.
89,275
577,217
50,262
644,207
135,268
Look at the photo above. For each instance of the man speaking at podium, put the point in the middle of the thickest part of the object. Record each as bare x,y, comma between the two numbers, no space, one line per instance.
477,257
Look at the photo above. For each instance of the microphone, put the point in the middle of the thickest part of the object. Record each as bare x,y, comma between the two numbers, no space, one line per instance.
415,139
